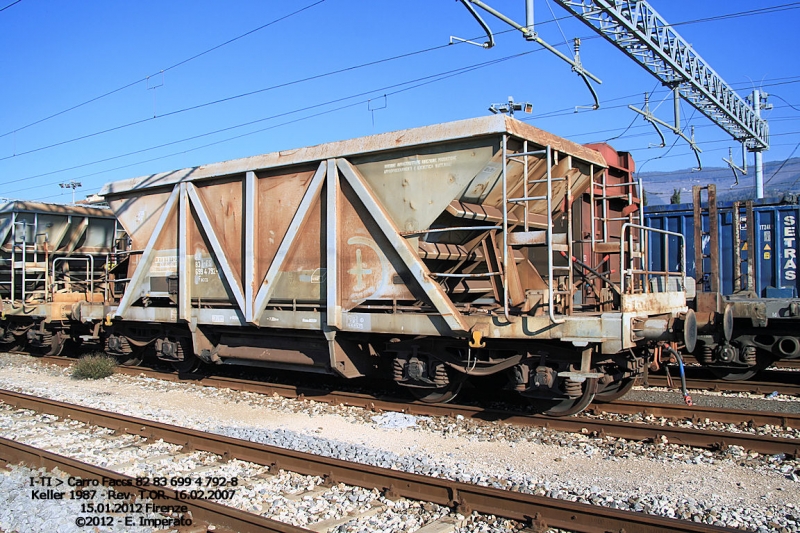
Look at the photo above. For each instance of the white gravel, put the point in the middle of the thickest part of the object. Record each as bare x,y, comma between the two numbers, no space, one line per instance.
734,488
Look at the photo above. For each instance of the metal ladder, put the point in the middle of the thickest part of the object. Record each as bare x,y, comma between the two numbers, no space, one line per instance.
601,194
35,275
534,238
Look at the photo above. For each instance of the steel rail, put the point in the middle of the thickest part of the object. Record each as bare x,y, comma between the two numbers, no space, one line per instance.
697,413
221,516
700,438
543,512
780,364
756,387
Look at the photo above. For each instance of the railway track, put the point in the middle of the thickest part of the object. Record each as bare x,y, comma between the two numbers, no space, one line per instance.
710,384
638,431
537,511
782,364
203,513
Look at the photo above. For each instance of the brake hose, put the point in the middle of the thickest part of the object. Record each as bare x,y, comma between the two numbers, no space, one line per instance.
686,397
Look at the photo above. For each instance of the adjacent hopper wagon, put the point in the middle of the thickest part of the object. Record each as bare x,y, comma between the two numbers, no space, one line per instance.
478,248
55,262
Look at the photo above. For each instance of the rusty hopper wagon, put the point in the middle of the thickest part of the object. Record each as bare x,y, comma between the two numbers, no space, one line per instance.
54,265
431,255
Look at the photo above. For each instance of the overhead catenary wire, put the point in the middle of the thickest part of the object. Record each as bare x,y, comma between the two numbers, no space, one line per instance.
785,102
584,38
467,68
171,67
751,12
399,88
242,95
782,165
9,5
220,101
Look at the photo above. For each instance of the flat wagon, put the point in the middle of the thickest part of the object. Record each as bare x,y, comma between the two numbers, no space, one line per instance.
744,257
484,247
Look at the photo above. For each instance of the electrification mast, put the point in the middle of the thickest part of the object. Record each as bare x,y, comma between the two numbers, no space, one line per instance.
642,34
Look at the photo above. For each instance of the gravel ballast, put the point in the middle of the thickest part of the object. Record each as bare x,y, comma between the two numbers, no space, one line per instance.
733,488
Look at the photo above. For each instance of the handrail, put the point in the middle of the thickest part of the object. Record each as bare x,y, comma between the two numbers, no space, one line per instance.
550,281
89,271
442,230
505,228
449,275
631,271
548,153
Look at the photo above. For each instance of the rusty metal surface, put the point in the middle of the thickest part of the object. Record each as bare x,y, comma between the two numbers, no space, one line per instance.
464,129
464,497
430,232
227,519
57,229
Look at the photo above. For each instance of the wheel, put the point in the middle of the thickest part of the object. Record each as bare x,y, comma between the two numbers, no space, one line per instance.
12,343
743,373
615,390
52,344
189,362
135,356
126,354
440,395
732,373
569,406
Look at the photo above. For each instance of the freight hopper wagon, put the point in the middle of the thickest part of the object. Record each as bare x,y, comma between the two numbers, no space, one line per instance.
429,255
744,257
55,261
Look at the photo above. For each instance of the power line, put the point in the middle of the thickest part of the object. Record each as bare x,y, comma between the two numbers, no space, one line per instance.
182,62
782,165
221,100
250,93
9,5
412,84
752,12
785,102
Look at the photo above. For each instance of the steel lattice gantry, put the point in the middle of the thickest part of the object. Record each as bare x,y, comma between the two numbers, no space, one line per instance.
638,30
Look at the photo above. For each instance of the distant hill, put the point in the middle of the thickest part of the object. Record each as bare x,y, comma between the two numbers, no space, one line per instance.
659,186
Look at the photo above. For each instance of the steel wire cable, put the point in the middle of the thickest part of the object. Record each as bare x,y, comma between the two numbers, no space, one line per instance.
171,67
222,100
752,12
412,84
9,5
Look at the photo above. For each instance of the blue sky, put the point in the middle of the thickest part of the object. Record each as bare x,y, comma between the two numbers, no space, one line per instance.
58,54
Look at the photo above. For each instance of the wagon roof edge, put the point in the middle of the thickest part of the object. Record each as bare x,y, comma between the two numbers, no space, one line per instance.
447,131
48,208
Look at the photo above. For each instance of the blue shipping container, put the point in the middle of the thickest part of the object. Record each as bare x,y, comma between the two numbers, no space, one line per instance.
775,250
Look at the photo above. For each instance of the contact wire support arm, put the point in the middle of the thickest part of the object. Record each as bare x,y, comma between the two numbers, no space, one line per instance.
676,129
530,34
642,34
